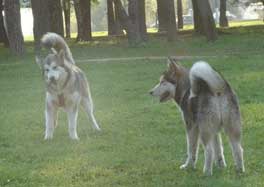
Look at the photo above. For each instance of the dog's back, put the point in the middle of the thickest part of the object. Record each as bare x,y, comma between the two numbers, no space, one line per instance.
216,104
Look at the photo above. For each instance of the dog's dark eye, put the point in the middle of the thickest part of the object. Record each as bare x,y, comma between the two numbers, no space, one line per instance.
46,70
55,67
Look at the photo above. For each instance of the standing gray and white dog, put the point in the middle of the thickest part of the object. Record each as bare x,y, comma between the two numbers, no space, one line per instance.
66,86
208,104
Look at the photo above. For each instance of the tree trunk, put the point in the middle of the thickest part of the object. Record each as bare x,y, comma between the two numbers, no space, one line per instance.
13,26
172,27
223,21
67,17
133,11
134,24
3,36
196,18
41,23
207,20
179,14
142,20
118,26
203,19
124,19
56,19
83,15
162,15
110,18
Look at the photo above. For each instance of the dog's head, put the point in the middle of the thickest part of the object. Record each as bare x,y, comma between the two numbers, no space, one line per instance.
53,67
166,88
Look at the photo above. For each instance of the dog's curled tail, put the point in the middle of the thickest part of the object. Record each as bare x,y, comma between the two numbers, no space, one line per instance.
54,41
204,78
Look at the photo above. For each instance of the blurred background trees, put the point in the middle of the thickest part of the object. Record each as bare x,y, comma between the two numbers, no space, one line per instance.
132,18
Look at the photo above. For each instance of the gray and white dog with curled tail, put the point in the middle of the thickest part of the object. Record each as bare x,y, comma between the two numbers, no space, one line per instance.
208,104
66,86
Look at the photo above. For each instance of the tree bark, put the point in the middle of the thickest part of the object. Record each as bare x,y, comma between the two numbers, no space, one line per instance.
179,14
172,27
207,18
41,23
67,17
134,24
223,21
13,26
162,15
118,26
196,18
142,20
110,17
3,35
203,19
56,19
83,15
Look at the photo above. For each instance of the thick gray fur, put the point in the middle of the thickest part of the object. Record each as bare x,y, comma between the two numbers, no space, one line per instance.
55,41
208,104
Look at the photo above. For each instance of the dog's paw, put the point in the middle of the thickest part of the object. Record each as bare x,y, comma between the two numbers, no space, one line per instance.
48,137
184,166
240,169
75,138
221,163
187,165
207,172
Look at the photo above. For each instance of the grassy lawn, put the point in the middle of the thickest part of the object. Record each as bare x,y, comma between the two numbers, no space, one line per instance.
142,142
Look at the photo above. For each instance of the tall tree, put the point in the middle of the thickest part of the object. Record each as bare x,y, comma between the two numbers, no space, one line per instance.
197,18
134,23
171,24
162,15
142,19
114,26
223,21
83,15
203,19
136,10
179,14
13,26
118,26
3,36
110,17
67,17
41,24
55,16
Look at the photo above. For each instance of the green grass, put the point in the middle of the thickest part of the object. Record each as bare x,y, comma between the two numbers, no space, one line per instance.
142,142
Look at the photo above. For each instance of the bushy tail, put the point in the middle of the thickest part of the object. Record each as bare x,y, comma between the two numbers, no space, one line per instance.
52,40
202,74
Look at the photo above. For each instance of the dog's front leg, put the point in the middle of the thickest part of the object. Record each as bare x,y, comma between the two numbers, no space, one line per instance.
192,147
50,115
72,118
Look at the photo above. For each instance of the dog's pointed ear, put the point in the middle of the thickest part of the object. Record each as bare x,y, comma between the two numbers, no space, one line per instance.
174,66
39,62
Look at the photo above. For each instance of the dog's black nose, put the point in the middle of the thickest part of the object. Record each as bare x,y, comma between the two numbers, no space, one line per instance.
52,79
151,92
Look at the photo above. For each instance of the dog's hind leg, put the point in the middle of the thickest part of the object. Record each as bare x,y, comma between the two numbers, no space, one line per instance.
207,141
234,133
192,147
87,104
51,117
72,118
219,151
